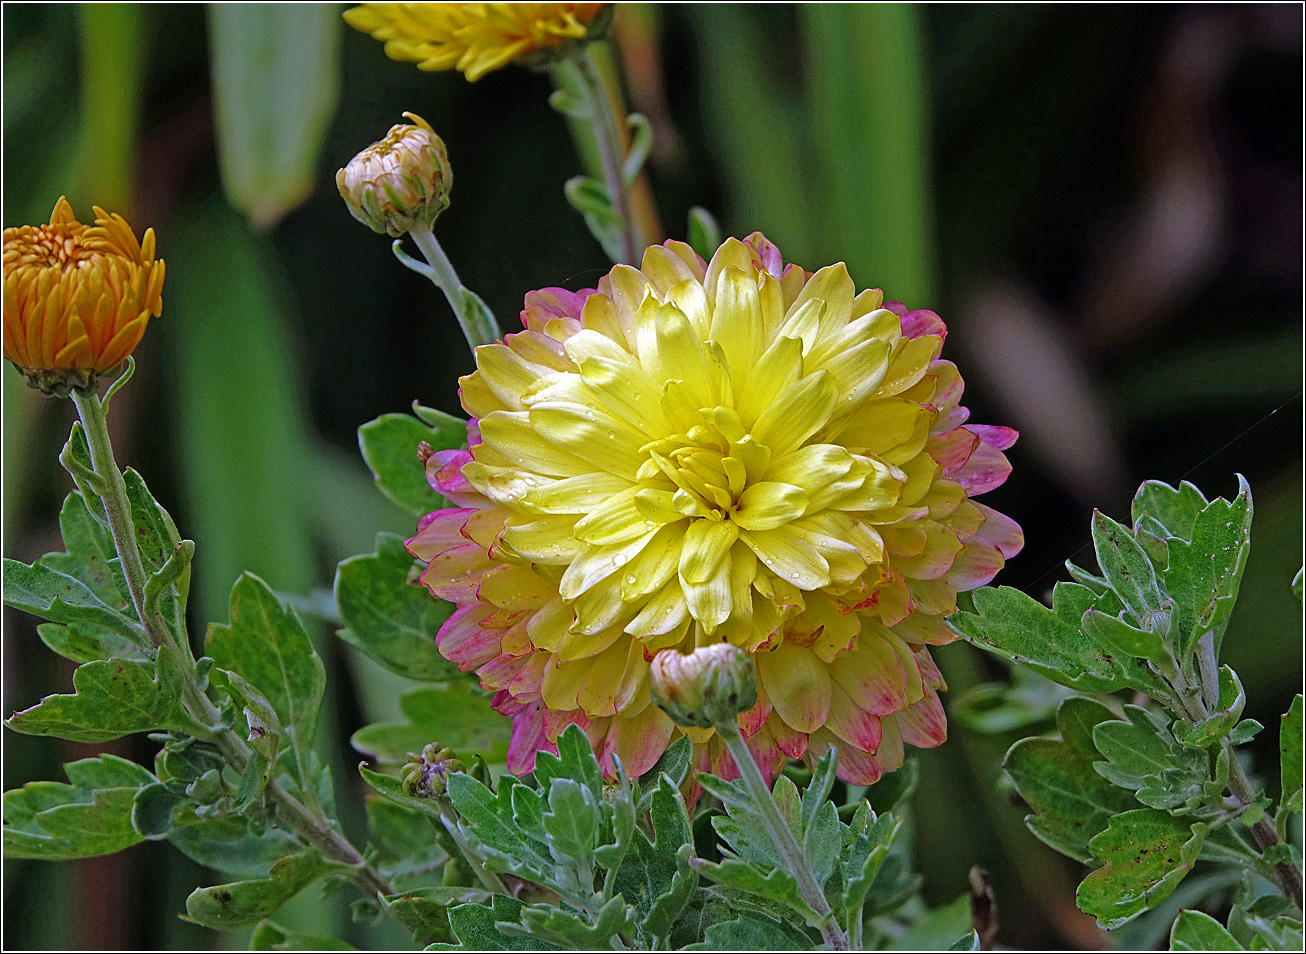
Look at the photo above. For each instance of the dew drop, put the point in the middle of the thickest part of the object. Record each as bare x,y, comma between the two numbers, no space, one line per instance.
612,435
630,578
620,559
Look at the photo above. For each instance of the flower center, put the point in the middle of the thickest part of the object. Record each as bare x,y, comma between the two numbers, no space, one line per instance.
51,247
711,465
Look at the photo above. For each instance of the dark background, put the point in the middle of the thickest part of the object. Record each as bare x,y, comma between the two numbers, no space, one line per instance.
1104,203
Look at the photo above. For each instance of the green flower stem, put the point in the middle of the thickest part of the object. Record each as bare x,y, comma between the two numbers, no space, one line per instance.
478,325
112,490
781,834
578,73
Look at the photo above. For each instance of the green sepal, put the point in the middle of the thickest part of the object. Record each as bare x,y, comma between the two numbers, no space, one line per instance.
227,906
390,617
389,446
1145,854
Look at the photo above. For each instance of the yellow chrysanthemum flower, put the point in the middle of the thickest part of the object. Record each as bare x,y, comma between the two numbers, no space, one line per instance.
77,297
734,451
472,37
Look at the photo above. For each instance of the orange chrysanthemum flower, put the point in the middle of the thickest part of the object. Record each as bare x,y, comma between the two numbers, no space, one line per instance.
472,37
77,297
736,451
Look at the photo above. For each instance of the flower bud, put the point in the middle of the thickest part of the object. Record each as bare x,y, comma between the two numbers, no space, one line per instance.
424,775
77,298
399,182
708,687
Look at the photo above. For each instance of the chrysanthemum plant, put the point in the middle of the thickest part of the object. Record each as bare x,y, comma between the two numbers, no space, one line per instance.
672,588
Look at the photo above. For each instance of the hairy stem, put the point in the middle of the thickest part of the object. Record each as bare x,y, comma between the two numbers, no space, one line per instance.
478,325
578,76
1288,875
112,490
778,828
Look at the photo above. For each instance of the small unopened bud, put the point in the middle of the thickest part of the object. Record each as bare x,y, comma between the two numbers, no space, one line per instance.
399,182
708,687
424,775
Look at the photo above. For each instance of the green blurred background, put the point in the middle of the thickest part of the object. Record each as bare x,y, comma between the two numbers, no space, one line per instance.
1104,203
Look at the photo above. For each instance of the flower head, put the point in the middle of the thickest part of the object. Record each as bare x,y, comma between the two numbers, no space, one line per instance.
400,181
77,297
698,452
474,37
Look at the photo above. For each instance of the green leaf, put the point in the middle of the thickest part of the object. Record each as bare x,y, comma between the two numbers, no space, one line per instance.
1145,854
1197,931
276,81
272,937
261,719
1143,757
1245,731
227,906
91,556
967,942
112,698
1222,721
91,816
750,932
492,824
777,884
590,198
1023,630
405,833
656,876
557,926
818,789
1127,568
45,592
394,790
1118,636
83,642
266,644
425,911
1072,803
939,929
575,760
457,717
1081,576
991,708
152,810
228,843
474,925
572,821
870,839
1290,756
389,445
1204,574
1175,510
704,235
391,619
